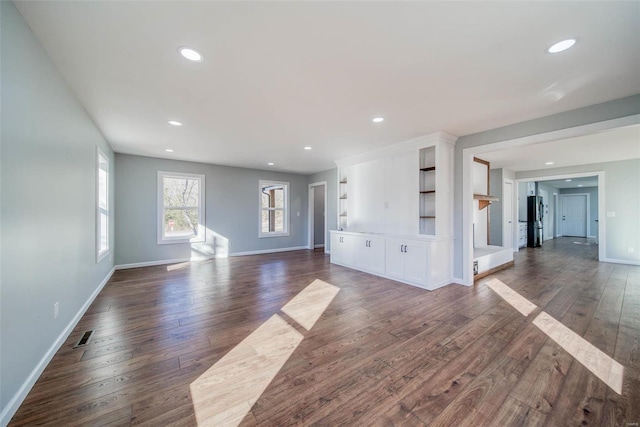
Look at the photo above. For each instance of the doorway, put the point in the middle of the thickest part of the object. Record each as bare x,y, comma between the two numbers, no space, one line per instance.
317,215
574,214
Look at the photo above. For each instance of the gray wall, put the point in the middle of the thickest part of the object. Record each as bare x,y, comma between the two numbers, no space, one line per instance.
495,208
595,113
231,210
331,177
621,195
48,205
592,231
318,214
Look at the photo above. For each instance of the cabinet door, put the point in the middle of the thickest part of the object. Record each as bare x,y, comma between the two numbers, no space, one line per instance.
401,194
342,249
394,261
416,262
376,254
369,253
366,201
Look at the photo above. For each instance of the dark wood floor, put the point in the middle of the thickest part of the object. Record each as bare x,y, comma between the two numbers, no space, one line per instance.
383,353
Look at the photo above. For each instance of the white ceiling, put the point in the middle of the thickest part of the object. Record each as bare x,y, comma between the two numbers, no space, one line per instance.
278,76
584,182
609,146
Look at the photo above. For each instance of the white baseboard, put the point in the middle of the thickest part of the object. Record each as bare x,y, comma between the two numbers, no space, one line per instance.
321,245
179,260
9,411
458,281
270,251
160,262
620,261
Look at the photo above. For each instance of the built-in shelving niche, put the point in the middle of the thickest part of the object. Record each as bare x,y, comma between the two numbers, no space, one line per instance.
427,203
342,200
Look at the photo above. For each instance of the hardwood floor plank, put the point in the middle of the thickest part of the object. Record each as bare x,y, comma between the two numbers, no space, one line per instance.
515,413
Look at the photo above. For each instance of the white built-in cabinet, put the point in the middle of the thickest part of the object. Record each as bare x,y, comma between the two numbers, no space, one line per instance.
395,215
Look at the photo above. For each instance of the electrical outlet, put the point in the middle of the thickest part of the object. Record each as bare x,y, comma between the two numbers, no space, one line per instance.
611,214
630,249
56,310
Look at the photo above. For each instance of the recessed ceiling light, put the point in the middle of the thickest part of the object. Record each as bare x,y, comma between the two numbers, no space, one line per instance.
168,150
191,54
567,180
561,46
270,164
549,163
378,119
174,123
579,185
307,148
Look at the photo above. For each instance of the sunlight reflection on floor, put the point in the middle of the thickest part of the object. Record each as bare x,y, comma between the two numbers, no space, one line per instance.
307,307
225,393
599,363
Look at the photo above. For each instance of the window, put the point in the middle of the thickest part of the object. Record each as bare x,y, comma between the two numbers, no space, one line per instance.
274,209
180,207
102,205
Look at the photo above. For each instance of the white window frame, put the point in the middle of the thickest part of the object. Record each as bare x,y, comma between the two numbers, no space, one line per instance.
102,253
265,183
200,237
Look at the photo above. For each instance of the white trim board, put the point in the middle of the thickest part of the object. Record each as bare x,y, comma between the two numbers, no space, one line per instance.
9,411
178,260
620,261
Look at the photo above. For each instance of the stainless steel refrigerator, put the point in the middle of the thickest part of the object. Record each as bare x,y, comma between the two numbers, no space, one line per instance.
535,209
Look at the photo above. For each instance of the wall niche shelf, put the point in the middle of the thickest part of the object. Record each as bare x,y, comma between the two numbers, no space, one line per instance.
427,184
485,200
342,199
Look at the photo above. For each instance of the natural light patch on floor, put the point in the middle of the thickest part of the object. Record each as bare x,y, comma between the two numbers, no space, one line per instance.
225,393
307,307
179,266
601,365
520,303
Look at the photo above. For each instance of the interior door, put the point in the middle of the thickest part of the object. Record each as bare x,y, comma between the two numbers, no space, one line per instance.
507,229
574,215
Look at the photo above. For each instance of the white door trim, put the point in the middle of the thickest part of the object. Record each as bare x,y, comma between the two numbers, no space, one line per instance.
467,182
514,221
311,229
556,216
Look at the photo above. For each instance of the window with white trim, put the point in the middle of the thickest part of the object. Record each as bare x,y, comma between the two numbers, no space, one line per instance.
180,207
102,205
274,209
